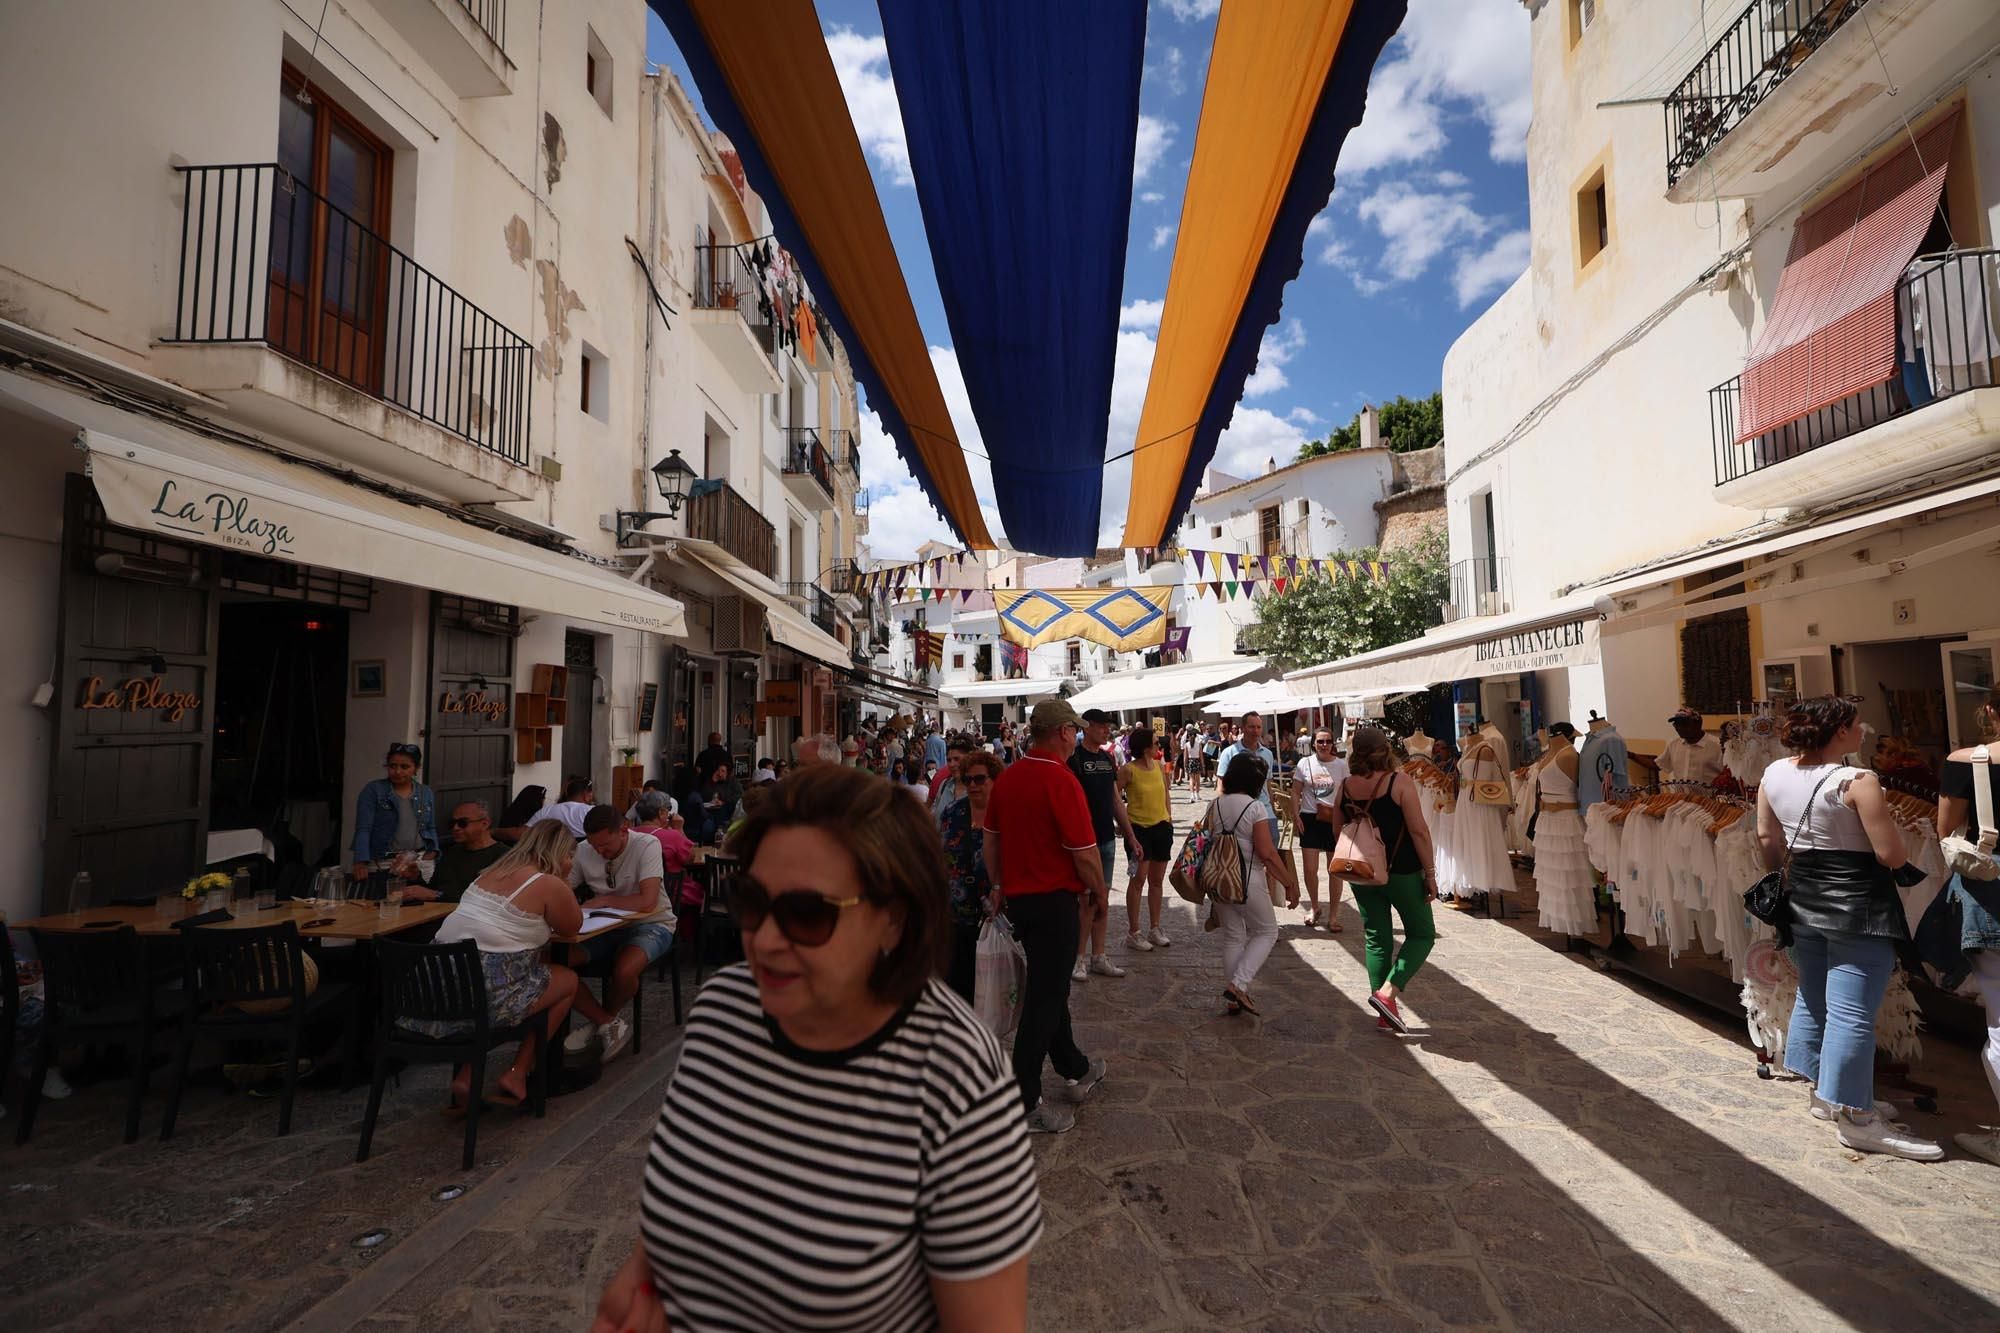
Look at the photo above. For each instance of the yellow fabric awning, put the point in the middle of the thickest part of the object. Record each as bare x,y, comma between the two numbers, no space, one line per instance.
1265,75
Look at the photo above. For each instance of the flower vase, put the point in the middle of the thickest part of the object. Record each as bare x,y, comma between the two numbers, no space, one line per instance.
217,900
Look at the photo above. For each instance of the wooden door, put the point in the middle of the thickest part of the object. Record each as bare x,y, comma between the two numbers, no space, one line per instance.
129,780
329,261
470,755
677,712
579,741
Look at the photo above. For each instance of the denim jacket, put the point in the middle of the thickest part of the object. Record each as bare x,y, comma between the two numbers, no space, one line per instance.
1966,916
375,819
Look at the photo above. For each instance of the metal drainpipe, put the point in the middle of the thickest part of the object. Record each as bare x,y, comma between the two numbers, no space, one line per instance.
652,250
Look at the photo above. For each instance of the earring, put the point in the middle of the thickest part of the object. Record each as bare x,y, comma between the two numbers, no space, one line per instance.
882,952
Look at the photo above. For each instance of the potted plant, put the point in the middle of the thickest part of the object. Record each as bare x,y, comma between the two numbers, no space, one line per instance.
628,753
212,888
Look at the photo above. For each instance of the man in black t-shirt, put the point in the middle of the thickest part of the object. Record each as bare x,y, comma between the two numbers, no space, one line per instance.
1097,769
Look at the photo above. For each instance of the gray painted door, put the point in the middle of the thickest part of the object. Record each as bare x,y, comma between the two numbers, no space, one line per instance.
578,742
128,794
471,750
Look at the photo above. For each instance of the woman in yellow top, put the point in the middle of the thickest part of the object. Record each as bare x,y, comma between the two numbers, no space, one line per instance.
1143,784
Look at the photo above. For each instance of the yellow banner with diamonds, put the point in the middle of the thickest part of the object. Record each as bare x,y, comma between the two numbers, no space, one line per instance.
1128,620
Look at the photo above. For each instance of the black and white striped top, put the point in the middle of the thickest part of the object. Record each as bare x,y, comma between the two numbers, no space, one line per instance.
795,1189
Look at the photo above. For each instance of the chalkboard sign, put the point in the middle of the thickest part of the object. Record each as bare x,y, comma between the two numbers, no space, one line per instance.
649,701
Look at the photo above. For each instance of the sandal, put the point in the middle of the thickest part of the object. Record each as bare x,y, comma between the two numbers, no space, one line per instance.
1243,1001
1235,1005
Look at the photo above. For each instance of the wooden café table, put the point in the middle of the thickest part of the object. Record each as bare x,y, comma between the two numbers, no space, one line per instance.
317,920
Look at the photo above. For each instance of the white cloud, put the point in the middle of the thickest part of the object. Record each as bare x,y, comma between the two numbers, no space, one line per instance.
1254,436
1162,234
1319,226
1305,416
1479,272
1155,136
1278,347
1448,52
1418,225
1193,11
1150,196
1171,69
1140,314
862,64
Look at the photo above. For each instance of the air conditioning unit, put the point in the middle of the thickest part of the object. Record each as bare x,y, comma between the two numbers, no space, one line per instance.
739,626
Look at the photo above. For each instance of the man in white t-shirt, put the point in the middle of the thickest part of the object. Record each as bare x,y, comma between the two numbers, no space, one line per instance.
615,870
1315,780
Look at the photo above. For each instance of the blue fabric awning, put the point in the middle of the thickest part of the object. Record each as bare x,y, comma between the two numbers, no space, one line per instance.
1022,117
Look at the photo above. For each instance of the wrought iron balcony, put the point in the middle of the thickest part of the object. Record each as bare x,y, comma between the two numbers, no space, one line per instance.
806,458
1948,321
1479,587
1752,58
818,604
845,448
491,16
716,513
842,579
263,259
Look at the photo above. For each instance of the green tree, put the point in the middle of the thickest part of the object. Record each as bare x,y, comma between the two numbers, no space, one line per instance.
1318,620
1407,424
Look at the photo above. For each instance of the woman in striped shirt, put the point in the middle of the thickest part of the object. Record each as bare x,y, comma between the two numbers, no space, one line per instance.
842,1144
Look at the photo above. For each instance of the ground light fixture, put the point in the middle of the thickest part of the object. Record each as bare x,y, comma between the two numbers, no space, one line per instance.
672,475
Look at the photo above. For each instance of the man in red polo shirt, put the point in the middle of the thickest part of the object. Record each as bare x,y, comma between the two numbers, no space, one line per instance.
1041,849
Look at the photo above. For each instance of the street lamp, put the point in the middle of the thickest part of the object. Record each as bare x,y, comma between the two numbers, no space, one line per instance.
671,474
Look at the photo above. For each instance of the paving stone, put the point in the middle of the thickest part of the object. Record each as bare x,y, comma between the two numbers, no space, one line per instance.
1455,1297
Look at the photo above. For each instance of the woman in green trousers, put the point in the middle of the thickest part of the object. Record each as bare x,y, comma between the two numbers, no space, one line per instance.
1372,791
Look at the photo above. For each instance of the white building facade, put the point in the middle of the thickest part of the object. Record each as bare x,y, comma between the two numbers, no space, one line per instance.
328,372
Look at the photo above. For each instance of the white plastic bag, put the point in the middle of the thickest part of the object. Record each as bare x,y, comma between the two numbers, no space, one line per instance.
1000,974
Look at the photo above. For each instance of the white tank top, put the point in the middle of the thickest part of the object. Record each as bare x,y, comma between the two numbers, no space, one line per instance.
1833,827
493,922
1556,784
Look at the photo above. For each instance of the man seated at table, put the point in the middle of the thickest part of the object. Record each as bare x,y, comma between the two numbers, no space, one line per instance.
472,848
615,868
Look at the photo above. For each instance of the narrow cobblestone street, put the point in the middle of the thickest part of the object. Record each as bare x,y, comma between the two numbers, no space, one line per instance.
1556,1147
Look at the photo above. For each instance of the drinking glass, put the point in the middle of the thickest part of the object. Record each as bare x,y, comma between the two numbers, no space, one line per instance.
267,896
392,900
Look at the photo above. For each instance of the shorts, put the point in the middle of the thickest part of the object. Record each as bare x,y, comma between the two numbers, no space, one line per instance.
1208,765
654,938
514,982
1318,836
1107,852
1156,841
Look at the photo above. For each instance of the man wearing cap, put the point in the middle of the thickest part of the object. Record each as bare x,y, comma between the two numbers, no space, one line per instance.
1693,756
1096,768
1251,741
1041,850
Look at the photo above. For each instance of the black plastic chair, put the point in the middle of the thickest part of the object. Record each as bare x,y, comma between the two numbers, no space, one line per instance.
445,983
96,991
715,919
10,1008
227,967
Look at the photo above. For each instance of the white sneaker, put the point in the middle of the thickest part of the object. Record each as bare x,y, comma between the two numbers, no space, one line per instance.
1081,972
1104,967
1823,1110
1985,1145
1138,943
617,1036
581,1031
1048,1118
1159,937
54,1086
1875,1134
1076,1089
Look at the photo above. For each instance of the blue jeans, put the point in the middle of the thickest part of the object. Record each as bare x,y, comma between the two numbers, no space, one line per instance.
1107,852
1842,979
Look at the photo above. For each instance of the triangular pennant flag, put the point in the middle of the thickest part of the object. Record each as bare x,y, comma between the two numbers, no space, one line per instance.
1250,589
1278,584
1197,562
1377,570
964,596
1231,585
1235,567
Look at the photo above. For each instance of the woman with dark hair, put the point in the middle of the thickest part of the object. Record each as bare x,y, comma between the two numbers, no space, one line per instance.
842,1142
395,815
1371,792
1249,928
1970,908
1142,782
1832,823
513,821
717,798
961,826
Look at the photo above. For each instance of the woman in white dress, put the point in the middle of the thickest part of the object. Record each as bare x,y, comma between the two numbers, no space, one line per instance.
1564,884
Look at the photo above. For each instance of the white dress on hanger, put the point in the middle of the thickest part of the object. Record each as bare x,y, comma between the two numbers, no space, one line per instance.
1564,884
1440,822
1479,832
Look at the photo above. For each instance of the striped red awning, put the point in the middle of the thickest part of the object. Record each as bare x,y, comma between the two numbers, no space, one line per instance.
1832,329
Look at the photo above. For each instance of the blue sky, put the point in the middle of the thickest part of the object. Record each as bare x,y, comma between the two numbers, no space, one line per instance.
1428,223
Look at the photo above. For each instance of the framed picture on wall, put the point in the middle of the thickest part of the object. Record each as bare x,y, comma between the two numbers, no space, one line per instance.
371,678
649,702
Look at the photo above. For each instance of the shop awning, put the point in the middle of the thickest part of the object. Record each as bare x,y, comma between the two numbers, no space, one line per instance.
1163,687
787,627
158,478
1563,635
1832,329
1270,696
1001,689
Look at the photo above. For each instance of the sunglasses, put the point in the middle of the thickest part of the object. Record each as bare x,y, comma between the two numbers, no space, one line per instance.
806,918
467,823
977,779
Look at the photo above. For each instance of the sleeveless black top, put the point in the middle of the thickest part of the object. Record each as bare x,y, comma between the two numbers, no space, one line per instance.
1395,829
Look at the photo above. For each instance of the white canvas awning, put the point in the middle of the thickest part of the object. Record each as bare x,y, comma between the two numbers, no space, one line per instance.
968,690
159,478
1270,696
1163,687
1563,635
787,626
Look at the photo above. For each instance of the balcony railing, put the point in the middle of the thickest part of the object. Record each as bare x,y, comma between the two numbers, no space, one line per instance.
1758,52
716,513
842,579
723,281
1948,335
845,448
819,606
491,16
265,259
1479,587
805,456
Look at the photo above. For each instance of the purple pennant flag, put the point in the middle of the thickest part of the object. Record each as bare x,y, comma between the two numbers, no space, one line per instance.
1235,563
964,596
1197,562
1177,638
1250,589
